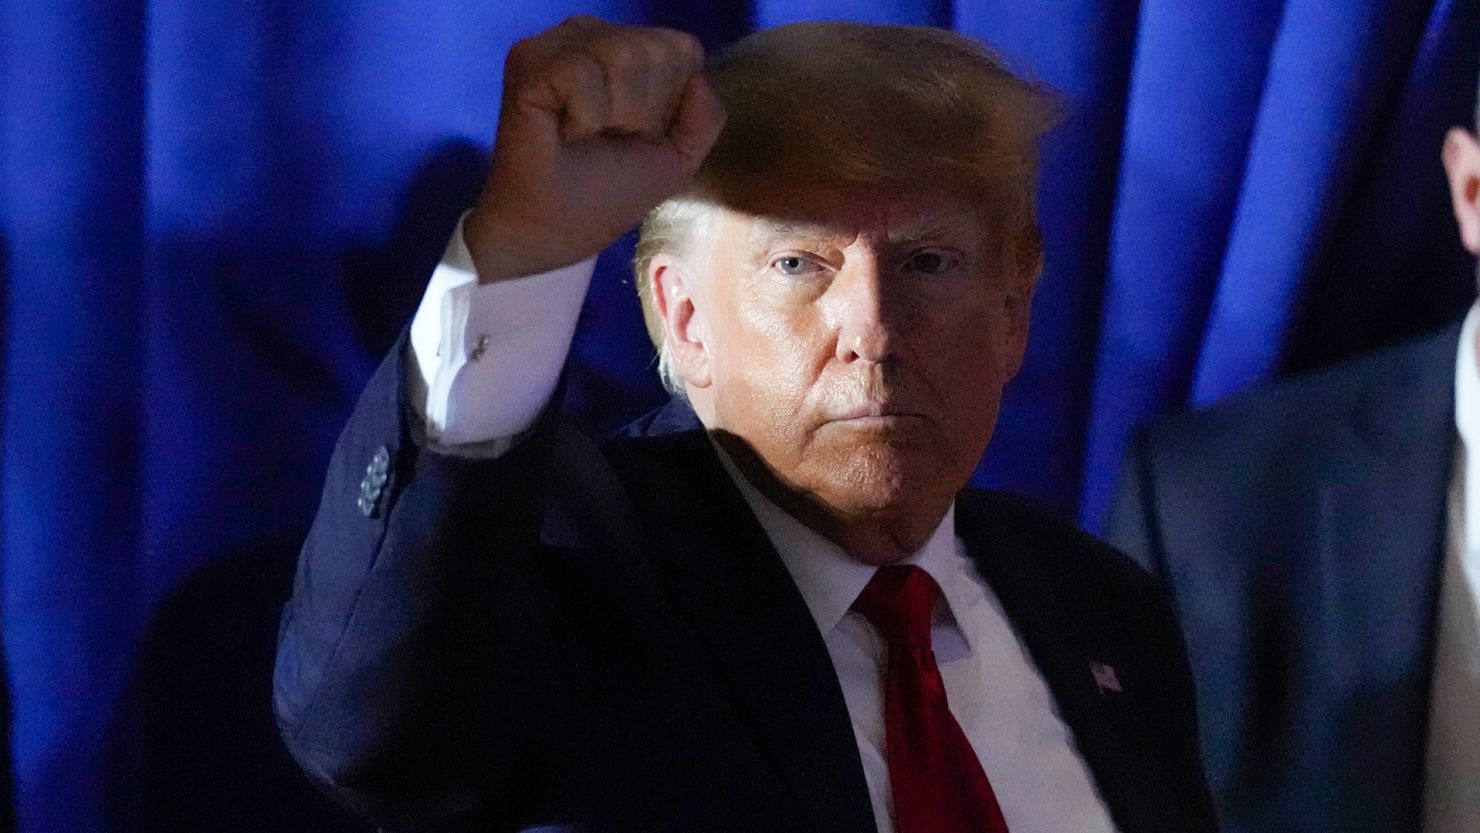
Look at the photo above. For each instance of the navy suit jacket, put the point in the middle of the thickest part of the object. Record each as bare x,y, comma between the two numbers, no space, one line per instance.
1301,532
604,637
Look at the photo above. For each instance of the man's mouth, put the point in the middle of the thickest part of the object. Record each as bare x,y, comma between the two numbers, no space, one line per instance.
876,415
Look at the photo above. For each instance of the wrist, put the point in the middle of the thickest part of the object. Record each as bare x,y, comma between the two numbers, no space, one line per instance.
489,253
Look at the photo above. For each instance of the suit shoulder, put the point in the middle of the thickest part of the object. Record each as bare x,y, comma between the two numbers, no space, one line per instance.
1300,412
1023,525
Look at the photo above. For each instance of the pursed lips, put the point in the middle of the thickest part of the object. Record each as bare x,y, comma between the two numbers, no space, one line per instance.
880,414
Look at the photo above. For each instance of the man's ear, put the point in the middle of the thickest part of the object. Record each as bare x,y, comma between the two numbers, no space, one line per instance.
1462,165
1017,303
685,332
1017,299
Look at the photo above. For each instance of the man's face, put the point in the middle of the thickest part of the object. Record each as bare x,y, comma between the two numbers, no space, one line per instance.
861,353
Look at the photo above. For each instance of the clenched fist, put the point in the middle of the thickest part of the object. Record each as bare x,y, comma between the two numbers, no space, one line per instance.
600,123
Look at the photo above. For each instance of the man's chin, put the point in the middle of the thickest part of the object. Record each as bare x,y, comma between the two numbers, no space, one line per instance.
883,517
882,480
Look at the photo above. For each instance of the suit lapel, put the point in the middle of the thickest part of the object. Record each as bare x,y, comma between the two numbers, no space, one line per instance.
1372,599
761,641
1058,620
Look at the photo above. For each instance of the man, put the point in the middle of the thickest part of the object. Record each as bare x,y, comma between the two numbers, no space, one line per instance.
770,607
1321,540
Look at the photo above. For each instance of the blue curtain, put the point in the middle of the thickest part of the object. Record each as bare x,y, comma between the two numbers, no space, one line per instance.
215,217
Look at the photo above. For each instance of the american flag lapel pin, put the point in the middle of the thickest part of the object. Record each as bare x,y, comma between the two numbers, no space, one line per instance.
1105,678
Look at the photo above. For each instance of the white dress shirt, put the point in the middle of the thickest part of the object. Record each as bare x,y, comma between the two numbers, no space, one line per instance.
1452,765
489,359
490,356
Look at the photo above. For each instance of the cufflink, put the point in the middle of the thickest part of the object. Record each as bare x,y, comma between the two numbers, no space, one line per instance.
479,349
374,481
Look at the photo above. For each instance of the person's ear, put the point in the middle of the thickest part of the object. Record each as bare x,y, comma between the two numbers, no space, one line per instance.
1462,165
685,331
1017,301
1016,304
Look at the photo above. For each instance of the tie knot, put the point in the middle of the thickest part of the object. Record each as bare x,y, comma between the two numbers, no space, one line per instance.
899,601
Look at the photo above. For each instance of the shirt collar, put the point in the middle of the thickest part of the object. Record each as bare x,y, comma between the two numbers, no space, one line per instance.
830,580
1467,421
1467,381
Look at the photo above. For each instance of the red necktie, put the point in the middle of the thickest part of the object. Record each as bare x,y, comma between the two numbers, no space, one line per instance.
937,781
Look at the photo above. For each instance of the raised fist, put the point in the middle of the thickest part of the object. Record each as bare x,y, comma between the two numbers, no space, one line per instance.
600,123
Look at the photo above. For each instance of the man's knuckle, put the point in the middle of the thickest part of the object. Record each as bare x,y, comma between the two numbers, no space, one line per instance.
522,52
580,21
684,46
580,69
623,57
659,53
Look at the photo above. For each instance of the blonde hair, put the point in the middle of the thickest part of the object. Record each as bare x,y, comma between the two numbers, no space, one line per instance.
852,105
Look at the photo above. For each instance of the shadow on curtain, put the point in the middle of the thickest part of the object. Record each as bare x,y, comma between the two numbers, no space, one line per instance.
211,757
199,750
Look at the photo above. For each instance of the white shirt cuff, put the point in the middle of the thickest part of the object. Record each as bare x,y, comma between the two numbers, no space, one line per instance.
489,356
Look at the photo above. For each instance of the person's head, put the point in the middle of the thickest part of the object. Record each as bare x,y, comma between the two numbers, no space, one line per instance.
844,290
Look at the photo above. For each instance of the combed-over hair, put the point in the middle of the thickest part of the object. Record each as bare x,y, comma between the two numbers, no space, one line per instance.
851,105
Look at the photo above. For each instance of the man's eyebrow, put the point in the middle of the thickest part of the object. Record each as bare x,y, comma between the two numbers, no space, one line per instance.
765,230
926,227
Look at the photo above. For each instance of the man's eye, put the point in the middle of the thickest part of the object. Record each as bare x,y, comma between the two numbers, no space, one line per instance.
793,265
931,263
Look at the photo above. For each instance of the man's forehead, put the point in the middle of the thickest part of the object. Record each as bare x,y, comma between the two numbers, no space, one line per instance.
890,221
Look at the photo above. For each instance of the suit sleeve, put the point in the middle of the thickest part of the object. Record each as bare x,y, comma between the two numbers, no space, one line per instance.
412,672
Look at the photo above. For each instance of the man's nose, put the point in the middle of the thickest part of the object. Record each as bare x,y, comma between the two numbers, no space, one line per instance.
867,314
